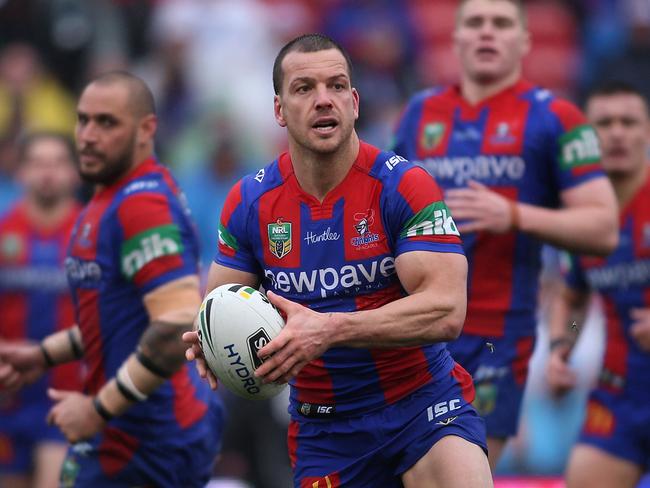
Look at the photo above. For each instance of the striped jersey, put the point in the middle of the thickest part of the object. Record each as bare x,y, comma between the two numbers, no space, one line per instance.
339,255
34,295
523,143
622,279
134,236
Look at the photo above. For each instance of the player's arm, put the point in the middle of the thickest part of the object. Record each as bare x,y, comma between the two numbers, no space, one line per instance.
587,223
567,307
160,352
24,363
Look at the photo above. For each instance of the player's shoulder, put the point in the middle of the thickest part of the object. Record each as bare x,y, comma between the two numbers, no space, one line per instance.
440,92
391,168
546,105
255,184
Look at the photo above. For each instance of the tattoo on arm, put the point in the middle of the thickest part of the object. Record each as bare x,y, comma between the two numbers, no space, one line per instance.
161,349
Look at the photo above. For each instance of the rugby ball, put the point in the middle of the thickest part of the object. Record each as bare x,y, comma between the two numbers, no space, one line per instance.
235,321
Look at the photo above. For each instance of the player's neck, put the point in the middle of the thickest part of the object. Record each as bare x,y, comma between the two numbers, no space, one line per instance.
46,216
475,91
627,185
318,174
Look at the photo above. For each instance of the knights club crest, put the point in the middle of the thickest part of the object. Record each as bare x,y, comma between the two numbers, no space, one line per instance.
280,238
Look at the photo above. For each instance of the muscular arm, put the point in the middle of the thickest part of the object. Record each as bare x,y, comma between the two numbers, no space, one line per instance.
161,352
433,311
588,223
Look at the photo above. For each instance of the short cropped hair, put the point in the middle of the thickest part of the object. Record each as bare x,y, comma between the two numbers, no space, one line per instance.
140,97
26,142
307,43
519,5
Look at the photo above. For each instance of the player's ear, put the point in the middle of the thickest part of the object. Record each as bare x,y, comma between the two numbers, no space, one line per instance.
147,128
279,111
355,101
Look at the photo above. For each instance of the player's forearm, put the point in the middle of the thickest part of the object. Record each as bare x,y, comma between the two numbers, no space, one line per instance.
160,354
420,318
589,229
568,307
62,346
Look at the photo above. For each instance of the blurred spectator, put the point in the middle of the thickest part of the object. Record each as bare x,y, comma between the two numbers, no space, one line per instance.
207,185
228,64
35,302
379,37
30,99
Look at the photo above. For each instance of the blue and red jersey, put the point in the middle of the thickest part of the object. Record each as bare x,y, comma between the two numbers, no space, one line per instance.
523,143
134,236
623,281
339,255
34,295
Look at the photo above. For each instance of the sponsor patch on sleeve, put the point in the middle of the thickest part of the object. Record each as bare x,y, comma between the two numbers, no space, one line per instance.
579,147
434,219
147,246
227,242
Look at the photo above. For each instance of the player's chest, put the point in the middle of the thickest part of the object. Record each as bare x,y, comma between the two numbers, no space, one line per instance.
297,233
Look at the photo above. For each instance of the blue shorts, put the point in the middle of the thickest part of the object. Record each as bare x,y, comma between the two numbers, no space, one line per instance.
113,459
619,424
20,433
499,367
377,448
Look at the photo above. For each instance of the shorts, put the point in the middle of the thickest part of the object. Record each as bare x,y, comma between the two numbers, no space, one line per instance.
499,367
619,424
114,459
20,433
377,448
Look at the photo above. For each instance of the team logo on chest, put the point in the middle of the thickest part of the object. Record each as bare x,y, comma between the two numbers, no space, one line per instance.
280,238
364,221
432,135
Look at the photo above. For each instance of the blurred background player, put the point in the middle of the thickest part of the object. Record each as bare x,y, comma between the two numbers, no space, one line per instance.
614,446
35,302
508,154
146,419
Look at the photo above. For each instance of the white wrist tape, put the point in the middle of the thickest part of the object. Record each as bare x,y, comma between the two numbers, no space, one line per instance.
124,377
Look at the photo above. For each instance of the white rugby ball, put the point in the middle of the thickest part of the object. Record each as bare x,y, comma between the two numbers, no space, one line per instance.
235,321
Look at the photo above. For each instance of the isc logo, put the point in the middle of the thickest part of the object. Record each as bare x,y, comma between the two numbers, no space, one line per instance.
442,408
394,161
324,409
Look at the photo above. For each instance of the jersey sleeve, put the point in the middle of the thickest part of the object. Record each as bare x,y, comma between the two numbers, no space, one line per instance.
157,242
574,274
418,217
402,141
575,146
234,249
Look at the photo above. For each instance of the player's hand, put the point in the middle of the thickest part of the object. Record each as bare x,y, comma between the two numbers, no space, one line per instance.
304,337
21,363
561,378
640,329
75,414
478,208
194,353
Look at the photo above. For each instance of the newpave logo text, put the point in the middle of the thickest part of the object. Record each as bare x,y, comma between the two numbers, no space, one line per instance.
148,245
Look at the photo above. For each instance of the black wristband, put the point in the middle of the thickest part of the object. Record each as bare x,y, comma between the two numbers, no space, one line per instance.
76,350
124,390
46,355
560,341
101,409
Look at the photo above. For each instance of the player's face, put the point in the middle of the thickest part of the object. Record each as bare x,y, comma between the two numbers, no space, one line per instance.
621,121
105,133
490,40
317,103
48,173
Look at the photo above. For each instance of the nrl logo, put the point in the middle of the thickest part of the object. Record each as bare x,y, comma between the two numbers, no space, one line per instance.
432,135
280,238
